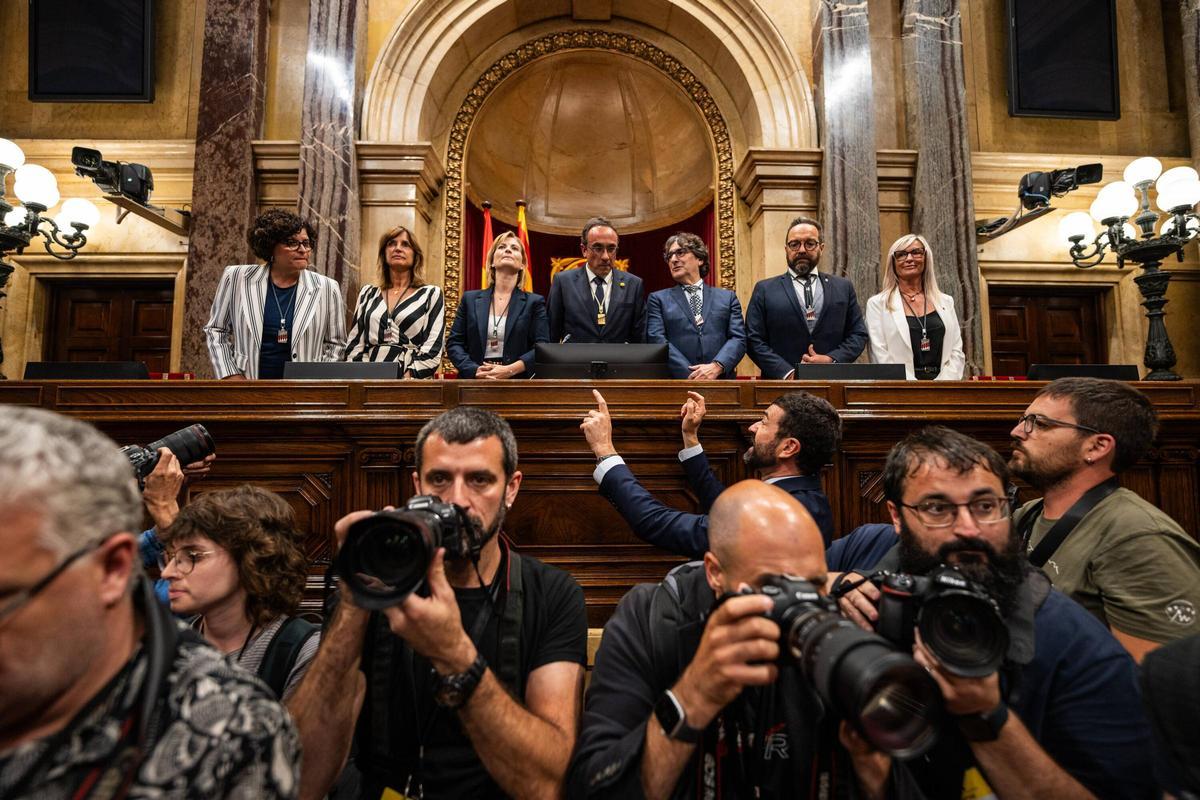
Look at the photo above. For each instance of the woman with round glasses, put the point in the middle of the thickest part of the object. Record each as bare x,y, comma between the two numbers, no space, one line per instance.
265,315
910,321
401,318
496,328
233,562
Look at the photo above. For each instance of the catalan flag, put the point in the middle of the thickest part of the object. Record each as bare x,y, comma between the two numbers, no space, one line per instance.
523,235
487,242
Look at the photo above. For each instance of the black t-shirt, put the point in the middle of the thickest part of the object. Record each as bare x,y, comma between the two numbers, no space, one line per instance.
553,628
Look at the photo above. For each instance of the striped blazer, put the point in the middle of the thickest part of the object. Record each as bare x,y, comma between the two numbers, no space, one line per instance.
235,326
411,334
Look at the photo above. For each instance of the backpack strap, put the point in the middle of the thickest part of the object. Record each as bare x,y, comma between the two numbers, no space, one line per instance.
667,615
508,668
283,651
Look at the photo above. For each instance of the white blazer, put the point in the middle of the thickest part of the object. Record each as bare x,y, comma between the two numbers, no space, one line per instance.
891,342
235,326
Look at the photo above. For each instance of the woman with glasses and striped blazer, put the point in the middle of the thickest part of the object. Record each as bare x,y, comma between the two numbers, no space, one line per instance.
265,315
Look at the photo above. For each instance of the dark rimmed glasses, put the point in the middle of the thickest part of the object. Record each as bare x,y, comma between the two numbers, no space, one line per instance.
21,598
809,245
986,510
296,245
185,559
1042,422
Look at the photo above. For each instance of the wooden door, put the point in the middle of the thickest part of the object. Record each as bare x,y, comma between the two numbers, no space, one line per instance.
111,321
1050,325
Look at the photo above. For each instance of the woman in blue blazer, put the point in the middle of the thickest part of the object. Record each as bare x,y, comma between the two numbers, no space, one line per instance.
496,328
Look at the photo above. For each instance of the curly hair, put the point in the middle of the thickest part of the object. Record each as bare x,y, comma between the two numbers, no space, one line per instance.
693,244
276,225
813,422
258,529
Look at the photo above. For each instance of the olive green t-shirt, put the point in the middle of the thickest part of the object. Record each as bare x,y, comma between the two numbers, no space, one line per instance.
1130,565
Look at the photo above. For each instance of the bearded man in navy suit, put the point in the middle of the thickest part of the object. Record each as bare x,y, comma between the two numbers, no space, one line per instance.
803,316
595,303
700,324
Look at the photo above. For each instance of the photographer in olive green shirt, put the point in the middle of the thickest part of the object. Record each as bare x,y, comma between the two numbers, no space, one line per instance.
1122,558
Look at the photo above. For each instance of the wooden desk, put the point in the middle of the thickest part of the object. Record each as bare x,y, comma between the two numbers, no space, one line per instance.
330,447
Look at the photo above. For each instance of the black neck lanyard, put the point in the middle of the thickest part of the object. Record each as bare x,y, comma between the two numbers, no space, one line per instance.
1061,529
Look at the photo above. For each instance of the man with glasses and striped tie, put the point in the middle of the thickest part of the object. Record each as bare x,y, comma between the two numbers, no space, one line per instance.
803,316
700,324
1117,555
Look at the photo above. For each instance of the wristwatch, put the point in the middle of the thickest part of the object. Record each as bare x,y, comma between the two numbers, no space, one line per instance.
670,714
983,727
602,459
453,691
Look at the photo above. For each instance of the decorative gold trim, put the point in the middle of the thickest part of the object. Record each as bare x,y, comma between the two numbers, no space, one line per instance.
584,40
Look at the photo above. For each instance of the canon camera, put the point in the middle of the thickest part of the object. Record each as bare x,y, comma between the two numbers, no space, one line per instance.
190,444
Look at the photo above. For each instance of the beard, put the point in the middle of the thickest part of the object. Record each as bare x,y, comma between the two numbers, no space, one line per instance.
803,263
483,533
759,457
1000,573
1049,471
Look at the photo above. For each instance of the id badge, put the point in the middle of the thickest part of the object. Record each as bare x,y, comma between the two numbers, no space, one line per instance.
600,320
924,344
493,344
282,336
390,335
810,315
699,320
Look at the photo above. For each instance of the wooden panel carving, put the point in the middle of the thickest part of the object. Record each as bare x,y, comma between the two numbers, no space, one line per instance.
332,447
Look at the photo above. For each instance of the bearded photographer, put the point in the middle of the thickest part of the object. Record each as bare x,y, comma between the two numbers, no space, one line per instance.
470,689
689,699
1063,705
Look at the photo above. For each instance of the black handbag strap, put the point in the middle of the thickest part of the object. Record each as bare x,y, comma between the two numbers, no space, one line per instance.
1061,529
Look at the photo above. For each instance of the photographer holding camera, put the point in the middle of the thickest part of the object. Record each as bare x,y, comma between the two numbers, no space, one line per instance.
471,688
716,683
1063,706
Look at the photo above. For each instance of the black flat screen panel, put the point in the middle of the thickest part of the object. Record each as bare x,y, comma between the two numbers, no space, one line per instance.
91,51
1062,59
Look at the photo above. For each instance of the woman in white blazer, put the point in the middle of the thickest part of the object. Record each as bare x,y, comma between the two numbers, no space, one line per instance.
265,315
910,322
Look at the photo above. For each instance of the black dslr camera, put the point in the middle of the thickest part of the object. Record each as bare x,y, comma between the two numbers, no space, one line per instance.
959,621
115,177
190,444
386,555
882,691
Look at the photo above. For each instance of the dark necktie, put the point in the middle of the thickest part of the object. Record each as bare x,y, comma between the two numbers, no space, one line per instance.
599,294
810,311
695,300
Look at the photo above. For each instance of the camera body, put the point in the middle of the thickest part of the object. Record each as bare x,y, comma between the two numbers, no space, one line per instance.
880,690
1036,188
190,444
959,621
386,556
115,177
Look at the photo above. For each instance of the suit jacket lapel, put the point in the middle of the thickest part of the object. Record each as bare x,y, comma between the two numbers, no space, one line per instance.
307,301
516,307
787,285
900,336
483,307
252,316
584,286
679,295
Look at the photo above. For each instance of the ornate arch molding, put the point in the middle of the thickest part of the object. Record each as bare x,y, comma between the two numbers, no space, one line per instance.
585,39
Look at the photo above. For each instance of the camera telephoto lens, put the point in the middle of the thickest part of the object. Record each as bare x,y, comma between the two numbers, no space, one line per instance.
386,555
190,444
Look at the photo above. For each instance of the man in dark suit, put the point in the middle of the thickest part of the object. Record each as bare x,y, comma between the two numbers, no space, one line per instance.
595,303
701,325
803,316
796,436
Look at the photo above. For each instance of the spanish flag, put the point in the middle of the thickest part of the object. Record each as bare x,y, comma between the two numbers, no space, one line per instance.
523,235
487,242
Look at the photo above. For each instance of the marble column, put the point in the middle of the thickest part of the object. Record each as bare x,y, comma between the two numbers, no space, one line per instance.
229,118
329,193
936,116
845,105
1189,12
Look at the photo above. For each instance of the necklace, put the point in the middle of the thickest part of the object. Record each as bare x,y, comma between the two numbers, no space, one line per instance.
495,337
925,345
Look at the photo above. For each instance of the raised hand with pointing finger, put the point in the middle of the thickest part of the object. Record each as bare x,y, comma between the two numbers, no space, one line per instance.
597,427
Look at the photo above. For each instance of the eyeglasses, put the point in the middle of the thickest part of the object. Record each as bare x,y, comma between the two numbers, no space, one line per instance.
185,560
808,244
942,513
25,595
296,245
601,249
678,251
1042,422
916,252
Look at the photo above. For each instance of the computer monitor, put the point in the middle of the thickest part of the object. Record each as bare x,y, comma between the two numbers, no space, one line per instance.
1115,372
341,370
86,371
849,372
584,361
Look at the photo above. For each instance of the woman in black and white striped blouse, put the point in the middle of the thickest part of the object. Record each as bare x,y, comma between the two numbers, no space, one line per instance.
402,318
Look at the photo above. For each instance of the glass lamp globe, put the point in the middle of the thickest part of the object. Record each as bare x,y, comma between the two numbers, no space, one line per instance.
1174,175
1180,194
36,184
1117,203
15,217
1142,169
77,209
1077,223
11,155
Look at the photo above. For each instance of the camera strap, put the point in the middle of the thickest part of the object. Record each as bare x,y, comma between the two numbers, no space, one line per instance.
1061,529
